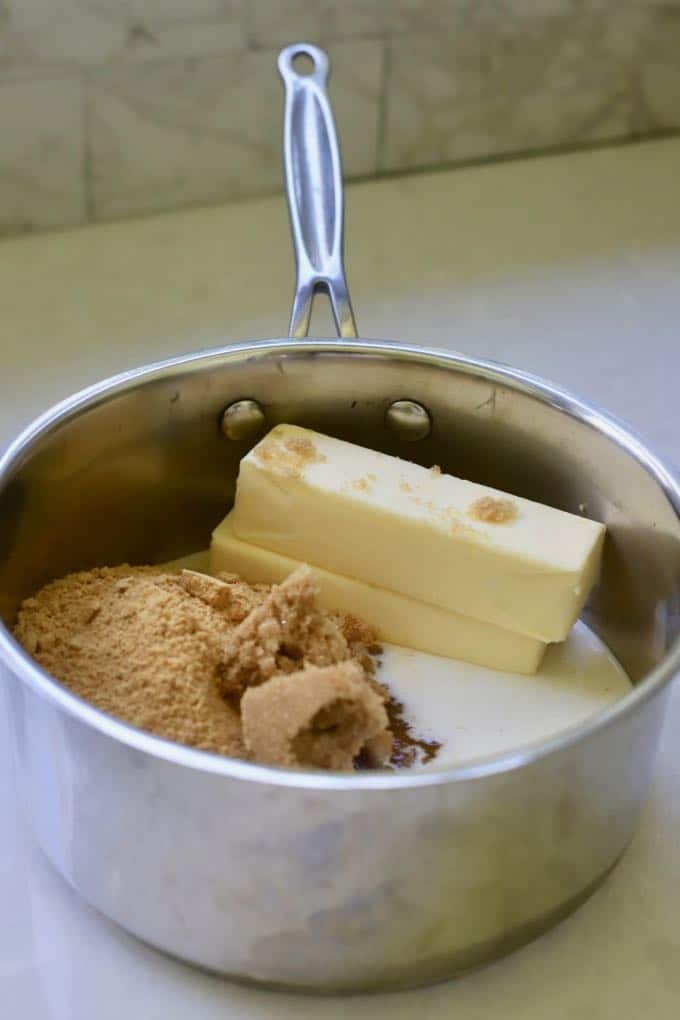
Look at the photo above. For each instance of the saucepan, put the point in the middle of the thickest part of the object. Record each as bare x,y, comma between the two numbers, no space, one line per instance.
306,880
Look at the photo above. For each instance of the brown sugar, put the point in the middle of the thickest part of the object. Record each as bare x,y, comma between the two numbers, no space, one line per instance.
154,648
493,510
407,748
211,590
319,717
244,596
161,649
287,632
362,640
289,456
304,449
363,484
136,644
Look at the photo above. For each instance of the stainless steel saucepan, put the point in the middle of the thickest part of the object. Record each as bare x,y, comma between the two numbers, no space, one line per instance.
329,882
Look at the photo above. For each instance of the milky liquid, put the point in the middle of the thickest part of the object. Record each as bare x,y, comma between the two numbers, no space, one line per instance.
475,712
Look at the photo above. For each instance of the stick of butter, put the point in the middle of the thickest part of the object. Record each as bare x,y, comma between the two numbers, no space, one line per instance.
452,543
397,619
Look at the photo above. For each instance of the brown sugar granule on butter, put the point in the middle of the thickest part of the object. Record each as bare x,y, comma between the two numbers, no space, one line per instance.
494,510
289,456
304,449
149,654
285,633
319,717
363,484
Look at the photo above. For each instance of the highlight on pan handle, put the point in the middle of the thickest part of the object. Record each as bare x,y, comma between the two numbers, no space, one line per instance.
313,174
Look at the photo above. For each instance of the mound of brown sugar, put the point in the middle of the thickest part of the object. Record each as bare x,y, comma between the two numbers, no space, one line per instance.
137,644
162,650
320,717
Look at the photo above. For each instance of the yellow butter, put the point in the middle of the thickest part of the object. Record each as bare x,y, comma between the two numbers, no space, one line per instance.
398,619
426,535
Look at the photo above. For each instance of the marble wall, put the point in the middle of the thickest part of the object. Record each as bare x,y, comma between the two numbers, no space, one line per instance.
111,108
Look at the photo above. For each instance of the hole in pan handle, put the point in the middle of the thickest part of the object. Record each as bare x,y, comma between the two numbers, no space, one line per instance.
313,174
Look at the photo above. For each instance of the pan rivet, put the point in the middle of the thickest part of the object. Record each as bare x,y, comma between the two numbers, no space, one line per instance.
244,419
408,420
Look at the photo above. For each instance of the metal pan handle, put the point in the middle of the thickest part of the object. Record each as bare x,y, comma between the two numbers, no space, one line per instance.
314,187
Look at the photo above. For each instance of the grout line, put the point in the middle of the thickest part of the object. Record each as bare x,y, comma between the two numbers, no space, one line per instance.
383,103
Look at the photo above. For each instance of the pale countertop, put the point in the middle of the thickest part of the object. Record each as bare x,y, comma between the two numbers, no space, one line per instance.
567,266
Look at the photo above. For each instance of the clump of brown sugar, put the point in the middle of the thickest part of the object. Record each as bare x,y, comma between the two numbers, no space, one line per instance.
319,717
494,510
287,632
160,650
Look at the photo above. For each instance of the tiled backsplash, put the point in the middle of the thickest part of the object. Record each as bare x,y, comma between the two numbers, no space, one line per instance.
116,107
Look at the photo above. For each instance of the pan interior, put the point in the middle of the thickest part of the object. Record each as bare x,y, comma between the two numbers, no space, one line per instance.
140,472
